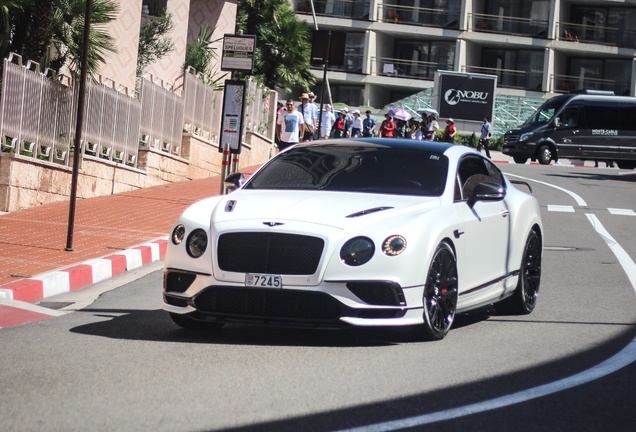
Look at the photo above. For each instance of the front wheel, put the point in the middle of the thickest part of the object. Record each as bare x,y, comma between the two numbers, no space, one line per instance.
440,293
544,155
520,159
524,298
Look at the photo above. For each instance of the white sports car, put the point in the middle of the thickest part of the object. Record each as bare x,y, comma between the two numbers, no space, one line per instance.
363,232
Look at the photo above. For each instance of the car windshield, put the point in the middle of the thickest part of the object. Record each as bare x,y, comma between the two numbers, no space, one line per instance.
546,111
351,168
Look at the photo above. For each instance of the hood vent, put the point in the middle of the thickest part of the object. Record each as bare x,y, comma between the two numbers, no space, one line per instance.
368,211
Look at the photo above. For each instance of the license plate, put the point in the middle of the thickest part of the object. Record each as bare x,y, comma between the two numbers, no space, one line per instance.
263,280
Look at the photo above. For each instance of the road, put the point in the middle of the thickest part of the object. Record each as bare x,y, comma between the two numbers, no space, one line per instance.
118,362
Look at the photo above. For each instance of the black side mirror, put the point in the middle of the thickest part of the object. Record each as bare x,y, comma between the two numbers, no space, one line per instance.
486,191
234,181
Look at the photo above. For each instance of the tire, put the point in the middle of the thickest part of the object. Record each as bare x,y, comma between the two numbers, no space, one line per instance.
628,165
440,293
524,298
544,155
520,159
191,324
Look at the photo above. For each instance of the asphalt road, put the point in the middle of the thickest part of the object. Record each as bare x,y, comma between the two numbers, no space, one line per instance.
119,363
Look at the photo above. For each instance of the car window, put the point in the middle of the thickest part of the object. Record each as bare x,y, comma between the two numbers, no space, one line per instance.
472,171
351,168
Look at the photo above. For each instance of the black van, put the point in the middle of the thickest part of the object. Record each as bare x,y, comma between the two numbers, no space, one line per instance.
591,125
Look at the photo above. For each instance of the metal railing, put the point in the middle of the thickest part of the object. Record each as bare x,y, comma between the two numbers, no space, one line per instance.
601,35
394,67
353,9
510,78
203,105
418,16
162,114
568,83
508,25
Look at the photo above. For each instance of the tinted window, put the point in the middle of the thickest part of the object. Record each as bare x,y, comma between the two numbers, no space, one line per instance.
602,117
628,118
341,167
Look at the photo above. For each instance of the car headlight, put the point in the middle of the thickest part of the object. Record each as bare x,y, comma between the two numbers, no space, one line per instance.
197,243
357,251
178,233
394,245
526,136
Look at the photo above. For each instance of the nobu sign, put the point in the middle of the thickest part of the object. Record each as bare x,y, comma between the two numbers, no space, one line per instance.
465,96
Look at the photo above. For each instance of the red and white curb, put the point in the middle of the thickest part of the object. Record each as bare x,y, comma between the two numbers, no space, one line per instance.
84,274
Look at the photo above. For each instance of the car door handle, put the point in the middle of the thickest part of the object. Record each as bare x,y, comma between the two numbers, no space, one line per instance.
505,213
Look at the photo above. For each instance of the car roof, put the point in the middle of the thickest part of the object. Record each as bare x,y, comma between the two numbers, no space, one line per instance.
399,143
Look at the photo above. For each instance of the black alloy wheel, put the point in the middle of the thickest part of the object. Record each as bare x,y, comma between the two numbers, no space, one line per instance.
440,293
544,155
524,298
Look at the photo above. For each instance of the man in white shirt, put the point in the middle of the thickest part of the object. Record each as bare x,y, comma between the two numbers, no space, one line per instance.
290,126
484,137
310,117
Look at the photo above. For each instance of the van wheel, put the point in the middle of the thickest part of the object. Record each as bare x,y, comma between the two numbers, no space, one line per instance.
520,159
628,165
544,155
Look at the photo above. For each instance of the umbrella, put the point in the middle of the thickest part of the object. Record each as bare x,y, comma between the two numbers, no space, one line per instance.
427,112
399,113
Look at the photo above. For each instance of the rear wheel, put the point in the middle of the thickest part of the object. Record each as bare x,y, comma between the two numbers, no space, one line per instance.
520,159
440,293
544,155
628,165
524,298
189,323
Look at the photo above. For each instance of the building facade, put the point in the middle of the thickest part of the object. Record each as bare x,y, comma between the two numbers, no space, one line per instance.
536,48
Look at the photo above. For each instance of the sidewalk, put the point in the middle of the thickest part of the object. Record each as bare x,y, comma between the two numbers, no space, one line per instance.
111,235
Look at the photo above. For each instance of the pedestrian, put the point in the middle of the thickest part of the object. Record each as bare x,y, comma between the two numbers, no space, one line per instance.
339,127
280,105
368,125
387,127
314,107
450,131
326,122
310,116
433,127
290,126
356,125
348,122
484,137
414,132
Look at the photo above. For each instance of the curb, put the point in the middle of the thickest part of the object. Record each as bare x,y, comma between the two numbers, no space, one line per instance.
84,274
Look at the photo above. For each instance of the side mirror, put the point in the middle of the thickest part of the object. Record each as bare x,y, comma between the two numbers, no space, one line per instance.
486,191
234,181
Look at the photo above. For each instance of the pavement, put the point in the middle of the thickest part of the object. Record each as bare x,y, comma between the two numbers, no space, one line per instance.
111,235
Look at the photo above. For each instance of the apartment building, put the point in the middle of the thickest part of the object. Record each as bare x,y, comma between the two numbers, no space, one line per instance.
536,48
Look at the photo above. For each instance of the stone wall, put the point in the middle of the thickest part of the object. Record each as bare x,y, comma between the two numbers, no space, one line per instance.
27,182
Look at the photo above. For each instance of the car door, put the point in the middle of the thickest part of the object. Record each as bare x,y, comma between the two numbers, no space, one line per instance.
567,133
486,230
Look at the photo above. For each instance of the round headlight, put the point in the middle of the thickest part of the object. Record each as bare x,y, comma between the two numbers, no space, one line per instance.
394,245
197,242
177,234
357,251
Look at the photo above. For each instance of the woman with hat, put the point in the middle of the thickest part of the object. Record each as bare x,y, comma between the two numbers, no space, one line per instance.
450,131
326,122
339,127
387,127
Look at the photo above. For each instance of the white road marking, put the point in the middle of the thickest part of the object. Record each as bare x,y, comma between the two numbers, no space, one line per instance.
580,201
623,358
622,212
560,208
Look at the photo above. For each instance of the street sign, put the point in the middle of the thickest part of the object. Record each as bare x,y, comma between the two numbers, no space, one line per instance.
238,53
464,96
232,118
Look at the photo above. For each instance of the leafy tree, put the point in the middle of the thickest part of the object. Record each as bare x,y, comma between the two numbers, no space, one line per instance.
283,45
153,42
199,55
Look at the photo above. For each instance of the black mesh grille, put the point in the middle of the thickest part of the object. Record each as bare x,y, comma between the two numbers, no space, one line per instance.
174,301
377,293
269,304
178,281
273,253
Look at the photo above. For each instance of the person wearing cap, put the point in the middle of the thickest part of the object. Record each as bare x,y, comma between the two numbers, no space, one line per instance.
387,127
356,125
368,125
450,131
348,121
310,116
433,126
290,126
326,122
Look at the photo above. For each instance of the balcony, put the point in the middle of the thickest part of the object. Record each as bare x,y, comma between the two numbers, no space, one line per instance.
508,78
396,14
568,83
509,25
411,69
612,36
350,9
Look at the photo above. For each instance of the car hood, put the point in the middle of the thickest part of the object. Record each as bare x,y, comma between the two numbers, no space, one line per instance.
343,210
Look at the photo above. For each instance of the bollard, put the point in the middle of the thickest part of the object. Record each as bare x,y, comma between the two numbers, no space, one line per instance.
225,166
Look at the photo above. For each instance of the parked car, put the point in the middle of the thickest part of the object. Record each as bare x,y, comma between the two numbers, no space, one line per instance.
364,232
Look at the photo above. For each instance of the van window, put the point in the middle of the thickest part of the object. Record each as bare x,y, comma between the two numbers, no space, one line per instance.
602,117
570,117
628,118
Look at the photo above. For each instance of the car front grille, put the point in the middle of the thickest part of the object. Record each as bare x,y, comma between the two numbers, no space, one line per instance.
378,293
269,304
176,281
509,139
272,253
